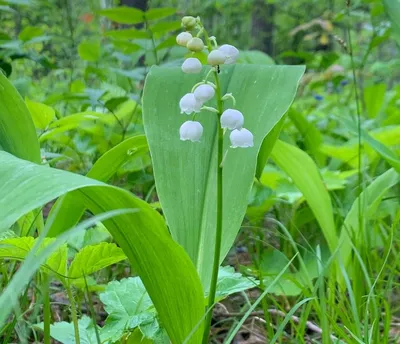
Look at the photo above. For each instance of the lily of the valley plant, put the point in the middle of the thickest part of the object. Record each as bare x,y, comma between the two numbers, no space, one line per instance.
228,119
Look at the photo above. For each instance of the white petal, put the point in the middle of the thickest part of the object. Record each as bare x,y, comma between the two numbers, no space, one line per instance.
232,119
189,104
230,52
191,130
216,57
241,138
192,66
204,92
183,38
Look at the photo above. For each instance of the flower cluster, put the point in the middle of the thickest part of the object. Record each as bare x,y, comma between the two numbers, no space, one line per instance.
193,102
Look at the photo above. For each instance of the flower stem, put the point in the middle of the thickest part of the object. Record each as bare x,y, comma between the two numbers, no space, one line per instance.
218,232
74,314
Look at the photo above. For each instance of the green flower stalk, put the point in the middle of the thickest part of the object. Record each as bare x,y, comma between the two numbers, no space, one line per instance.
230,119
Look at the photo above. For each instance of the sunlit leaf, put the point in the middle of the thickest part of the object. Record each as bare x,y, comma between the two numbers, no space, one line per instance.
42,114
142,235
186,173
305,175
16,123
89,50
94,258
158,13
123,14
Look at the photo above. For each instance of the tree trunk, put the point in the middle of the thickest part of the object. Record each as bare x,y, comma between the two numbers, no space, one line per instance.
264,26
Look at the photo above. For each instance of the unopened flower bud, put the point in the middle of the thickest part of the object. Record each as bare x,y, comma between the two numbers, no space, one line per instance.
241,138
191,130
216,58
189,104
192,66
204,92
230,52
189,22
195,44
232,119
183,38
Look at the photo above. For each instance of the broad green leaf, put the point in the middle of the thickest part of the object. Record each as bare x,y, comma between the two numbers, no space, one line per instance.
374,97
108,164
305,175
142,235
266,147
15,123
127,34
163,27
158,13
18,248
123,15
42,114
89,50
94,258
30,32
392,8
63,331
255,57
186,172
311,136
378,140
230,282
128,305
369,201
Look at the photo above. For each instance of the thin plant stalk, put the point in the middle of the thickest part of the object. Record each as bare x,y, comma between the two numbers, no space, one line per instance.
74,314
218,232
46,309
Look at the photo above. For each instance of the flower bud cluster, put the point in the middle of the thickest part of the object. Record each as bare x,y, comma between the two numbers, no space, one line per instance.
230,119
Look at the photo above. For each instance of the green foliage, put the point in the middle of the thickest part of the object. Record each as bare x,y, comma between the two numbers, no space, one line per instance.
129,307
44,184
304,173
189,170
93,258
42,114
64,331
15,123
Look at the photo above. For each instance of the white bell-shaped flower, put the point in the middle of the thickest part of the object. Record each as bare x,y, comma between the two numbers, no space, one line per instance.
230,52
241,138
204,92
183,38
189,104
232,119
191,130
192,66
216,57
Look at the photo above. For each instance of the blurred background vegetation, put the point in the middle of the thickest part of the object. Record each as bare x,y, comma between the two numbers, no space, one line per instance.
83,63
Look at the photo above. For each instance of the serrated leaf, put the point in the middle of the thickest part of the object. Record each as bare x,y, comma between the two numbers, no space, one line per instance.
158,13
230,282
64,331
123,15
127,303
42,114
94,258
89,50
18,248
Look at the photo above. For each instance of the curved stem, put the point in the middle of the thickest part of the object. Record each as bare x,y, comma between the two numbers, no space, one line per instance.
218,232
